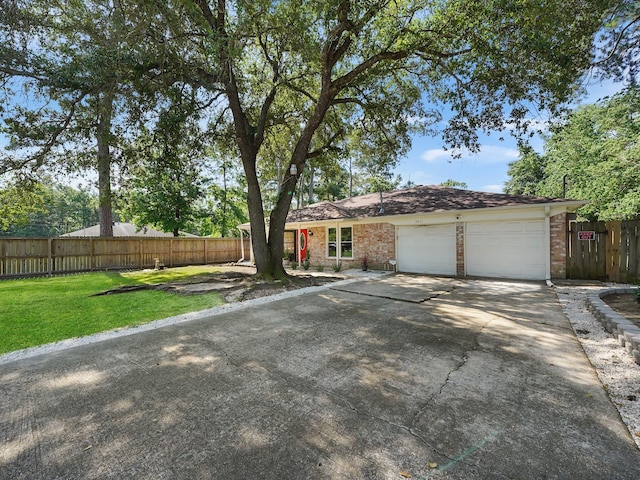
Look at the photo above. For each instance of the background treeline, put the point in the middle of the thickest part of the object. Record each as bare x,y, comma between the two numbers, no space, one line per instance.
593,155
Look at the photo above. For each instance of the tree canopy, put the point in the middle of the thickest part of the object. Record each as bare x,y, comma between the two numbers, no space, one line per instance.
45,209
69,69
619,43
288,84
594,155
319,70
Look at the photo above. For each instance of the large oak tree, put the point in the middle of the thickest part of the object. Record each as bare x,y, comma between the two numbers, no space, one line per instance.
306,64
316,72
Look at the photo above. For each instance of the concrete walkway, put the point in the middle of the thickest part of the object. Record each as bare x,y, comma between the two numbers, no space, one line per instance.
482,380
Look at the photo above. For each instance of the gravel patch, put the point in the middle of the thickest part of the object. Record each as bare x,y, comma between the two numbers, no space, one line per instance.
617,370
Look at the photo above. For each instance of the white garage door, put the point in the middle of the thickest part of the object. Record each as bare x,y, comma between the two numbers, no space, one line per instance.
506,249
429,249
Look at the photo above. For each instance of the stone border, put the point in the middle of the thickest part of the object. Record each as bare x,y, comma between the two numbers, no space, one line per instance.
625,331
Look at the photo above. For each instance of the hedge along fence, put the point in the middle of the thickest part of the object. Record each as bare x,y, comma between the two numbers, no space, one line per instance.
27,257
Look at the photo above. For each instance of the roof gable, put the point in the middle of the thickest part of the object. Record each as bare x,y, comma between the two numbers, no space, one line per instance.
416,200
123,229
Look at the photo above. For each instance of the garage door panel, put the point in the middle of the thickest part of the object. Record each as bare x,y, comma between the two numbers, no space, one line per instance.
506,249
427,249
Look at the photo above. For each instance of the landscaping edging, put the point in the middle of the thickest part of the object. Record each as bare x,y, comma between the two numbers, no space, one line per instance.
625,331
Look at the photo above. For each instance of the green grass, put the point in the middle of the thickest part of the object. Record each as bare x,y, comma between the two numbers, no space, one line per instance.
38,311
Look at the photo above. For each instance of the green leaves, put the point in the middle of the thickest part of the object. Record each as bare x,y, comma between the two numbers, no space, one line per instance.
595,154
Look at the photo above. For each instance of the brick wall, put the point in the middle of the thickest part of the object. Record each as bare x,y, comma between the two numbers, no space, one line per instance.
318,247
460,249
558,226
376,241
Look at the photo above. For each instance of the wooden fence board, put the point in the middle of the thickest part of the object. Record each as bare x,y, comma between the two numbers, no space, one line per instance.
613,255
23,257
586,259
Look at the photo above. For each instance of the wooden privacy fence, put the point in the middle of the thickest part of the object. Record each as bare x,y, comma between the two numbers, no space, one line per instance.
24,257
611,252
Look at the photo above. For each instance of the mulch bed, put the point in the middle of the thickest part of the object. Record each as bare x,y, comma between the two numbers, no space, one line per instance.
232,286
626,305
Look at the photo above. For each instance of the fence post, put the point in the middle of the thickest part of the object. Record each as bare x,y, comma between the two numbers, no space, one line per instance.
92,254
204,246
50,255
613,251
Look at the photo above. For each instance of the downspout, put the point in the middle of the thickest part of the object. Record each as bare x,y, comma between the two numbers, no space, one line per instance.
547,245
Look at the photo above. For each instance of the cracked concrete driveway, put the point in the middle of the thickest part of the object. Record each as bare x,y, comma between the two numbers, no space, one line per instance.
483,380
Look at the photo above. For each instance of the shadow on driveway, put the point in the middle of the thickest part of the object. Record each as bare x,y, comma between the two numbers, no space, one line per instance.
485,380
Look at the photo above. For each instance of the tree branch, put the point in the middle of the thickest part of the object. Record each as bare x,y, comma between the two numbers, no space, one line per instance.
617,42
327,146
51,142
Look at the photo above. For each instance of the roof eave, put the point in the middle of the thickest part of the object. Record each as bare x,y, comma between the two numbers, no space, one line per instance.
570,205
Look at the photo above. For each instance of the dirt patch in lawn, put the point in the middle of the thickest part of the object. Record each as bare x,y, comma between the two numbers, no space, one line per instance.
626,305
234,284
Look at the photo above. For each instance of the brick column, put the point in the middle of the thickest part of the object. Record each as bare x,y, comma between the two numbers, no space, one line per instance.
558,229
460,249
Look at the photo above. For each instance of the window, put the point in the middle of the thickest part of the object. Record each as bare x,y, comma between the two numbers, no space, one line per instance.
340,240
346,245
331,243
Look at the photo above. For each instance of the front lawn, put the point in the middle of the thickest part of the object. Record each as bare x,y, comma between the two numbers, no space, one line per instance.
43,310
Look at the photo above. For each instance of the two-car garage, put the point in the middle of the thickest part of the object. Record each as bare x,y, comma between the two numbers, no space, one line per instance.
504,249
448,231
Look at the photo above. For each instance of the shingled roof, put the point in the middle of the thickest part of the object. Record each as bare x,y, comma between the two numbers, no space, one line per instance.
421,199
123,229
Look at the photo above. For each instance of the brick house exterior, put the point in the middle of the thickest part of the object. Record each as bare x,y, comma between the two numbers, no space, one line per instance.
559,245
477,233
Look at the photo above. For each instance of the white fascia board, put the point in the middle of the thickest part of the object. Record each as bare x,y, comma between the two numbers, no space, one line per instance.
317,223
519,212
516,212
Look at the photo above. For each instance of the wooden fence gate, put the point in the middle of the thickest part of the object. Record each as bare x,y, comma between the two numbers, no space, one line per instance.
604,251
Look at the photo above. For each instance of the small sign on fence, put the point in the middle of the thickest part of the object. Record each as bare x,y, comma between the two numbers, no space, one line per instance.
587,235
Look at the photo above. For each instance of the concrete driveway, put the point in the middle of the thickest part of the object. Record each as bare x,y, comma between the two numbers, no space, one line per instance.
482,379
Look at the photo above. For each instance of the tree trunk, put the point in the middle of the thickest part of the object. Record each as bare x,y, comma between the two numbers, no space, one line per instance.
350,178
223,227
103,134
261,252
310,197
278,216
268,251
300,188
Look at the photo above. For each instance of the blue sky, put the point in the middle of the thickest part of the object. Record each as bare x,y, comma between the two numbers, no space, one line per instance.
429,164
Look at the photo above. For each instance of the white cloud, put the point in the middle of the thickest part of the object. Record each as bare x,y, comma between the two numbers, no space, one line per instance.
493,188
435,154
488,154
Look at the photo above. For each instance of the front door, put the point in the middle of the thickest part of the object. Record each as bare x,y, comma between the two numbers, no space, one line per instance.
303,240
